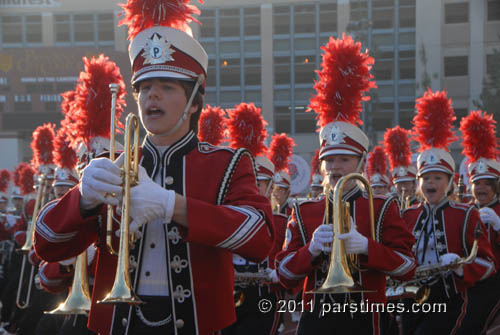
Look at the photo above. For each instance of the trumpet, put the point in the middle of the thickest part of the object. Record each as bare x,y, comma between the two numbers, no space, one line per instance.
30,232
339,278
114,88
78,300
417,288
121,291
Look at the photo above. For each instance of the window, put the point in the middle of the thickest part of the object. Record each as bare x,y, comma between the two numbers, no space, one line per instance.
304,122
12,29
211,74
456,12
33,29
84,27
229,22
383,18
230,72
51,107
492,62
251,21
383,70
62,28
208,23
105,27
281,19
282,121
456,66
304,19
328,17
407,17
252,71
493,10
304,69
22,106
282,70
407,68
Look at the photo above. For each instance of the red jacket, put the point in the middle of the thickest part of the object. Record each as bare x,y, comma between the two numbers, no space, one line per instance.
279,221
225,215
454,227
389,254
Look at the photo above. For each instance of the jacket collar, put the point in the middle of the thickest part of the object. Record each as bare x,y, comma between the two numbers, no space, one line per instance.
153,161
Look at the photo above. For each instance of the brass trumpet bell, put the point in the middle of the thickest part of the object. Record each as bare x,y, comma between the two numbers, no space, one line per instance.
78,300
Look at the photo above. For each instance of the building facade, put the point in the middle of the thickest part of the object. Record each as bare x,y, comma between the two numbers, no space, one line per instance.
264,52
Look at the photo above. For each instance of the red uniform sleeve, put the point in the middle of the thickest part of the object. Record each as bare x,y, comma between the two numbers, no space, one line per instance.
392,254
279,222
294,262
483,265
53,278
242,224
62,232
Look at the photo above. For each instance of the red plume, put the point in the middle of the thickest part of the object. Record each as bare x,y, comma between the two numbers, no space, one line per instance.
17,173
246,128
64,155
397,146
92,104
434,121
376,162
143,14
4,180
67,109
280,151
26,180
212,125
43,145
315,164
343,79
479,140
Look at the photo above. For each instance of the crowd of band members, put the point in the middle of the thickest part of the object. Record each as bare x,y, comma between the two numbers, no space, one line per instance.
482,299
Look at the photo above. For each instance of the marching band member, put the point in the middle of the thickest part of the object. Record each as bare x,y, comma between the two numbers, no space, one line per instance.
397,148
316,176
480,147
343,79
444,230
376,169
194,205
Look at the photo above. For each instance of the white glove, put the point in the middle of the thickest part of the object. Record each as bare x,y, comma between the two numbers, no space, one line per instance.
10,221
101,183
150,202
354,242
274,276
488,215
450,258
320,239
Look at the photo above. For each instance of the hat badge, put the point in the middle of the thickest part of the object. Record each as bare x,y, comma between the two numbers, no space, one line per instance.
376,178
317,179
335,136
62,174
431,159
277,178
481,167
157,51
401,171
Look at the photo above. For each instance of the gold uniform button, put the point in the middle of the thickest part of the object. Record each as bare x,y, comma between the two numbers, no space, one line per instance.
169,180
179,323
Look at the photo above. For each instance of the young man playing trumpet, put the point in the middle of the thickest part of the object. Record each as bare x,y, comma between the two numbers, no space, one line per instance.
194,204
